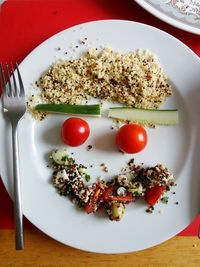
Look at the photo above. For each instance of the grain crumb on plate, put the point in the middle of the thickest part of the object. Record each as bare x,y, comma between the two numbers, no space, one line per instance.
104,167
160,211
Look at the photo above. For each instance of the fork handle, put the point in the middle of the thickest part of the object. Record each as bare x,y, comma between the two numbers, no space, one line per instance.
18,215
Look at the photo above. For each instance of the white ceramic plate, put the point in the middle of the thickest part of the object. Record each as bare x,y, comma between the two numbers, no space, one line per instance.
183,14
178,147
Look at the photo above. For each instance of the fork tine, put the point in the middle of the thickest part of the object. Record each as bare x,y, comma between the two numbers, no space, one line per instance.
21,93
3,82
9,83
14,81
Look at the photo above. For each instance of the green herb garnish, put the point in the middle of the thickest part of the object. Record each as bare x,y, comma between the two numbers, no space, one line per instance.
87,177
64,158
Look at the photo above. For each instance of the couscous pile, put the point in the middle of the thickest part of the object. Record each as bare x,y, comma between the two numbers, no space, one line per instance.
134,79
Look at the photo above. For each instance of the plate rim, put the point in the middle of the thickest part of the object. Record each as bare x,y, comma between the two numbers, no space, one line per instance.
167,19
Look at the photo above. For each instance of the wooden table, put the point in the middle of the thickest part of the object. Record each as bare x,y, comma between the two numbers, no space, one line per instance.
32,22
42,251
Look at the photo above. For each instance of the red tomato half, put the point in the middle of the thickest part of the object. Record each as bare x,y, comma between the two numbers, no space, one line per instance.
75,131
131,138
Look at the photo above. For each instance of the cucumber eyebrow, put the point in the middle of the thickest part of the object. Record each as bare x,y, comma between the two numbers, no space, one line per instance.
145,116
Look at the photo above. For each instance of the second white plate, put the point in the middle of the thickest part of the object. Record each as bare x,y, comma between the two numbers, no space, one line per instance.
184,15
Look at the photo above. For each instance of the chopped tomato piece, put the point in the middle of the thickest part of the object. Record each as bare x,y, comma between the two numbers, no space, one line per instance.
109,195
89,208
109,191
153,194
96,195
127,198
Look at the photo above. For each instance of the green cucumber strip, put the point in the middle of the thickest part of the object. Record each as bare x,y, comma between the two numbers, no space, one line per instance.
92,110
145,116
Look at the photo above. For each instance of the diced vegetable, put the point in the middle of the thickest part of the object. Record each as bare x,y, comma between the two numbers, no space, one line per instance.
89,208
90,110
109,195
60,156
145,116
137,190
121,191
153,194
109,191
125,199
117,211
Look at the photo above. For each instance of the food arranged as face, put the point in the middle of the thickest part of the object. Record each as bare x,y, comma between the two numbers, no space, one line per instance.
137,82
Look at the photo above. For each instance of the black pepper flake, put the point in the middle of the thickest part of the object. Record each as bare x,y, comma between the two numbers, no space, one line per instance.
47,166
76,46
173,193
176,203
66,53
91,166
89,147
167,188
149,210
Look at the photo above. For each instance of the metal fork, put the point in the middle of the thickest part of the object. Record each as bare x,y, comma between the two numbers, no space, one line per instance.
14,106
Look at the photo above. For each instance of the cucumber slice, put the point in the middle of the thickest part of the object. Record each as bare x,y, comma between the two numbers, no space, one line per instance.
145,116
90,110
60,156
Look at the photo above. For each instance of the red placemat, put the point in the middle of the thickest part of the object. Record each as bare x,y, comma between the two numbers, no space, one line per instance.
25,24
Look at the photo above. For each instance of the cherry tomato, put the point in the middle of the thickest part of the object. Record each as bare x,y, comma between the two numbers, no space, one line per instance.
131,138
75,131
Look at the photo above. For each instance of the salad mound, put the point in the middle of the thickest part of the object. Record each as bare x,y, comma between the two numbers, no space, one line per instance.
133,183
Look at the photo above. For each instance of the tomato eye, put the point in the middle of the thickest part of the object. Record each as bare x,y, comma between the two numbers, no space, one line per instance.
131,138
75,131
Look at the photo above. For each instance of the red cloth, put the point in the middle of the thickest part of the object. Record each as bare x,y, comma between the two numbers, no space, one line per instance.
25,24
